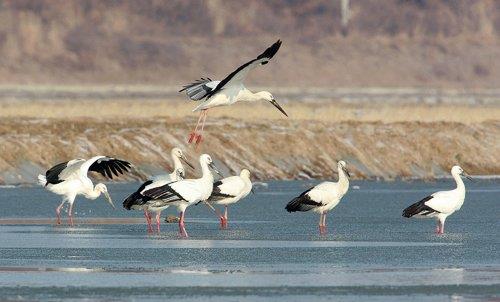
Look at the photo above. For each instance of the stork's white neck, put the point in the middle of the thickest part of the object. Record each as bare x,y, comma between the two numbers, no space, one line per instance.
247,180
459,181
248,96
177,166
177,162
343,180
206,173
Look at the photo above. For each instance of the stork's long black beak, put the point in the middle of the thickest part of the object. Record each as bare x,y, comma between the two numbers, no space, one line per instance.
251,190
467,176
346,171
213,167
275,104
184,159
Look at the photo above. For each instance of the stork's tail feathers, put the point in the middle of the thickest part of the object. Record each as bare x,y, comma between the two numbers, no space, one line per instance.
42,180
302,203
418,208
135,199
198,89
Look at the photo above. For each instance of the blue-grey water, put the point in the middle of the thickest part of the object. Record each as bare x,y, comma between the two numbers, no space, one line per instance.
370,253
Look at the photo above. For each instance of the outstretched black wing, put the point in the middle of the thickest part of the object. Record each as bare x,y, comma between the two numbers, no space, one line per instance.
52,175
109,167
239,74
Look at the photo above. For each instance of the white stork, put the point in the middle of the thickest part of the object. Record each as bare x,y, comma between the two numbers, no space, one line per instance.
228,91
70,179
184,193
137,201
323,197
440,204
229,191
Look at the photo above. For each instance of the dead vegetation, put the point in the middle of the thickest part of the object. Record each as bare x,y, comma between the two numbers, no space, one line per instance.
273,149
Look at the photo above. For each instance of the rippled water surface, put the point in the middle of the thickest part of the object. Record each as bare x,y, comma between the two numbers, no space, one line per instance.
370,253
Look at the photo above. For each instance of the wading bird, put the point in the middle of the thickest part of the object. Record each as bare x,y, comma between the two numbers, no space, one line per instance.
70,179
228,91
137,201
185,192
440,204
323,197
229,191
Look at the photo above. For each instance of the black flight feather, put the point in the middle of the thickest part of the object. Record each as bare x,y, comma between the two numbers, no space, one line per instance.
52,175
268,53
419,208
137,198
302,203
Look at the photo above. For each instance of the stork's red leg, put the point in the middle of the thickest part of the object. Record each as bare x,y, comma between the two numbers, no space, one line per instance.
440,228
70,214
225,218
320,224
199,136
324,224
193,135
158,218
148,220
221,218
58,212
182,228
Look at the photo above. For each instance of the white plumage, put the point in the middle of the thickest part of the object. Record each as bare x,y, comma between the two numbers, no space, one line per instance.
441,204
229,191
228,91
323,197
184,193
137,200
70,179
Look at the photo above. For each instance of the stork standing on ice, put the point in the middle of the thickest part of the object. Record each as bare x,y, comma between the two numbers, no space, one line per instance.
229,191
323,197
137,201
441,204
70,179
184,193
228,91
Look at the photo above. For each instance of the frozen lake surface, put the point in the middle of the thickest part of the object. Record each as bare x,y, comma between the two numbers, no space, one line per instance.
371,252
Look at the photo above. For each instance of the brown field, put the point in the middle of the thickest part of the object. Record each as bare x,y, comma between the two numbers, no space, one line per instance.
335,112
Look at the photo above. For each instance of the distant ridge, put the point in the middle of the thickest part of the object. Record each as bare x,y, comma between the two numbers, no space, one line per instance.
396,43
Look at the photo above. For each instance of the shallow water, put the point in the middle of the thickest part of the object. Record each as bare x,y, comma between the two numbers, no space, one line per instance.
370,252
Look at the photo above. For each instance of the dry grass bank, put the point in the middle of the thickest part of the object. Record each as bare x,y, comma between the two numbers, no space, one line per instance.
272,149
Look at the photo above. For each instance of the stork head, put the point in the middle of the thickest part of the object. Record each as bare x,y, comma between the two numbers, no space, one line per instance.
205,159
457,170
342,165
245,173
101,188
267,96
177,152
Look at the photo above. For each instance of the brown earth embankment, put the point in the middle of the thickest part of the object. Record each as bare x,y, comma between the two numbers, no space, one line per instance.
271,149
